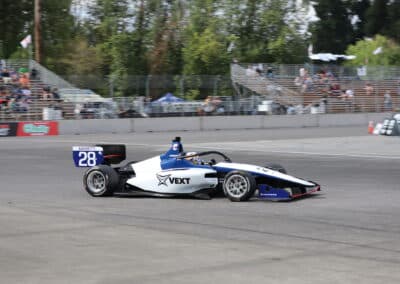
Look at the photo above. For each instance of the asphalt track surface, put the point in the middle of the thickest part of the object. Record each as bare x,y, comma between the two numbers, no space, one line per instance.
52,231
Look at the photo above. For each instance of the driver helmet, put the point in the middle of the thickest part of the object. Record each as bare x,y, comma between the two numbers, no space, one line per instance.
194,158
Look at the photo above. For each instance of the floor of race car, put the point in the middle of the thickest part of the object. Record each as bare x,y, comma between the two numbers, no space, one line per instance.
52,231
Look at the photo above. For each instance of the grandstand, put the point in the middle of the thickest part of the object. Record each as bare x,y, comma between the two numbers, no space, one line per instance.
311,92
318,91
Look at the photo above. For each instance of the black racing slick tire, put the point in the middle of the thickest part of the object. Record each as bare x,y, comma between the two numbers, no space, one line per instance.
276,167
239,186
101,180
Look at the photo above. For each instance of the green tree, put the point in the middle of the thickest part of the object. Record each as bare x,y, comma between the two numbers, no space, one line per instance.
377,17
333,32
57,27
264,31
364,52
166,52
358,9
15,24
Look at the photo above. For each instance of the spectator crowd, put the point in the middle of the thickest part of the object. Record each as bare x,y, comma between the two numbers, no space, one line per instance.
16,92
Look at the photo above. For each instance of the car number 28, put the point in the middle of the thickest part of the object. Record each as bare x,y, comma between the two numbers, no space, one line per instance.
87,159
87,156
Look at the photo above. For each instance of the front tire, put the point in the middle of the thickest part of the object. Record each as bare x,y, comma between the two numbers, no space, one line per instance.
239,186
100,180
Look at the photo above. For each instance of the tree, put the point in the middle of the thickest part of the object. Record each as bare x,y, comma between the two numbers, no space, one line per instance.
377,17
15,24
57,26
264,31
333,32
358,11
166,53
364,51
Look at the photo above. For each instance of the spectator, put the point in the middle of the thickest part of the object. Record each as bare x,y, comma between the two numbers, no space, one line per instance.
270,73
5,74
347,95
24,81
22,105
26,92
307,84
334,89
46,93
369,90
4,97
398,89
56,95
250,71
14,78
387,101
259,69
298,81
34,74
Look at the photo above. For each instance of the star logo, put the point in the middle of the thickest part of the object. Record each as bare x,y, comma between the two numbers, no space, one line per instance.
162,180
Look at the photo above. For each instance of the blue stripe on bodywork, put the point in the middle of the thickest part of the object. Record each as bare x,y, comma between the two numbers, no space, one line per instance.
268,192
173,163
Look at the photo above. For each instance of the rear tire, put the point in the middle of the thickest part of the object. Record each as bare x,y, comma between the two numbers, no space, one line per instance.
239,186
101,180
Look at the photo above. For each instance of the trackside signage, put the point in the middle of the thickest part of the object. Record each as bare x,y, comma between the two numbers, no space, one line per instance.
37,128
8,129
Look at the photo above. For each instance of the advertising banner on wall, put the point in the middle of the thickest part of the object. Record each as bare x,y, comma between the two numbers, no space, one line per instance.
37,128
8,129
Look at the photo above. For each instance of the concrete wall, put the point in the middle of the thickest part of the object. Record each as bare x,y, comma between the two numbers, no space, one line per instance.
203,123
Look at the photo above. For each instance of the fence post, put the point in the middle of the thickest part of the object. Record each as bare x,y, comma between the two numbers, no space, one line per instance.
111,86
148,77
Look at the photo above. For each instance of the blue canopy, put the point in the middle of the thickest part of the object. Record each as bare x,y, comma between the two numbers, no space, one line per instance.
168,98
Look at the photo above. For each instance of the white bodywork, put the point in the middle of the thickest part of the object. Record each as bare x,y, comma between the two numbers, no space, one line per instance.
263,171
150,176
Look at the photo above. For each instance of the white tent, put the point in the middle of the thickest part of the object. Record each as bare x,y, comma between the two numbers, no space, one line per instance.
327,56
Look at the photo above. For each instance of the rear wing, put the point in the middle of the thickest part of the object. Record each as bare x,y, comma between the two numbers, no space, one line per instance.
104,154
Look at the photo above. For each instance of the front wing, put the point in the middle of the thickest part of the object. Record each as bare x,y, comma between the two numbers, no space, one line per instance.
270,193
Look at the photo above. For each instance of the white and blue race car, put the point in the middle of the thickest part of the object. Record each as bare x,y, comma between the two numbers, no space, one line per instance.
176,173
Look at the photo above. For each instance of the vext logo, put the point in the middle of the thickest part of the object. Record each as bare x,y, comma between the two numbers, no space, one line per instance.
31,128
162,180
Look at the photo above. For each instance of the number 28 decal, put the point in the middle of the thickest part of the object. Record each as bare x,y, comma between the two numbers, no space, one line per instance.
87,156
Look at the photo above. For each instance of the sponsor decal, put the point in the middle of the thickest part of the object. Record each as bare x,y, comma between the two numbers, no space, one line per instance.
8,129
4,129
165,179
44,128
265,170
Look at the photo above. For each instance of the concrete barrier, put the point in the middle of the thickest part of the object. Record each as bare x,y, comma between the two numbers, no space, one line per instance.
231,122
203,123
158,124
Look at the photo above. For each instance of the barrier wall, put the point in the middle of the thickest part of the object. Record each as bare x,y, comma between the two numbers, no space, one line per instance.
203,123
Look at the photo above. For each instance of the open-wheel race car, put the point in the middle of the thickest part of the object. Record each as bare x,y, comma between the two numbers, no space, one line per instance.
176,173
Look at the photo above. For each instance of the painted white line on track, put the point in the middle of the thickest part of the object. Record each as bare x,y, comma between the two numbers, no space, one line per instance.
231,149
369,156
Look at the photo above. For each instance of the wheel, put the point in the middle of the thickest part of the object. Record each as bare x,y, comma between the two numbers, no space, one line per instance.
276,167
239,186
101,180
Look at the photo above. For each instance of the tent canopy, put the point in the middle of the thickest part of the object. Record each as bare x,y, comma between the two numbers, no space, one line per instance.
168,98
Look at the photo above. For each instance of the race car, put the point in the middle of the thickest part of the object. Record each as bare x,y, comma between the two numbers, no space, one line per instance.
178,173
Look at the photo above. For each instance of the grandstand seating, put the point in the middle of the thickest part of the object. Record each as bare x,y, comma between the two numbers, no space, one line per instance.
290,93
